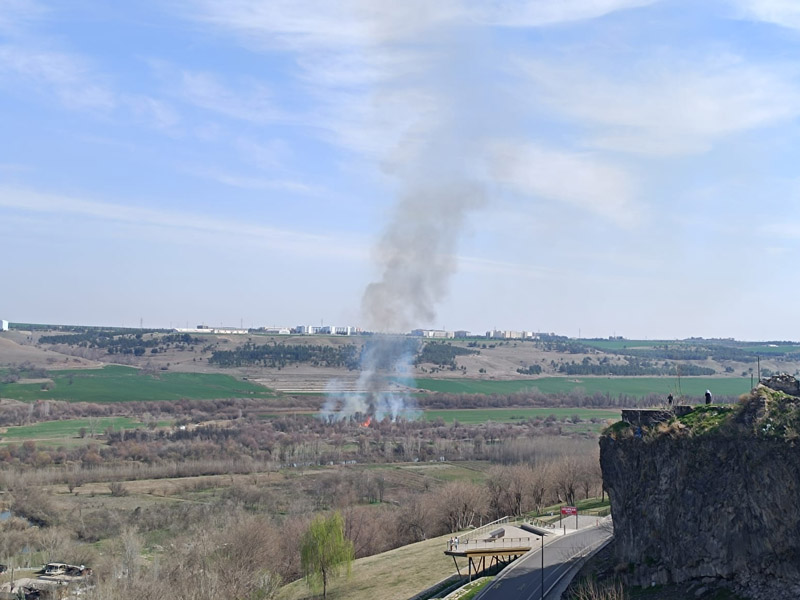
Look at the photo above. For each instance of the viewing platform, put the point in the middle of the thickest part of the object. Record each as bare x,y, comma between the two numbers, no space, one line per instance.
501,541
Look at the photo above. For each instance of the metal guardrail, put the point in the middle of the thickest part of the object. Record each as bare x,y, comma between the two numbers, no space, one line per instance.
502,542
484,528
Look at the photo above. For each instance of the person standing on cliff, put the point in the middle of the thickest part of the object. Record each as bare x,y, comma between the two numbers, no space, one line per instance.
708,396
669,400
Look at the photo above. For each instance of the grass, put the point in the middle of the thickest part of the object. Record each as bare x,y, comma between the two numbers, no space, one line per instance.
397,574
705,419
125,384
632,386
69,428
472,589
592,506
474,416
447,472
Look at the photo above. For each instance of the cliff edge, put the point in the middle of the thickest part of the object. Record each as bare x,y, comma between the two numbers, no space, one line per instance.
712,493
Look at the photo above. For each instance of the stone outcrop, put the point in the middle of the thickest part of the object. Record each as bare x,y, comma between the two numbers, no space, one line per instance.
717,498
783,383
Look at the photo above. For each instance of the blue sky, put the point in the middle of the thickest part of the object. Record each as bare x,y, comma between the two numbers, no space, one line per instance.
608,167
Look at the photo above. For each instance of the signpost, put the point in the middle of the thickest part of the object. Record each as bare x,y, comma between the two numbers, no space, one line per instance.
567,511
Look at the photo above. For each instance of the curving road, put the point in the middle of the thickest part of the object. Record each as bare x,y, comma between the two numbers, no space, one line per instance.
523,579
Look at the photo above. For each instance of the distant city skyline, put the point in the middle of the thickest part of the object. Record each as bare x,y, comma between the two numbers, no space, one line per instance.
614,167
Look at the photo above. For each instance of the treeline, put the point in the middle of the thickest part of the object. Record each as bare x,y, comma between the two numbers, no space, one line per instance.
695,350
25,370
281,355
287,441
632,367
114,341
442,354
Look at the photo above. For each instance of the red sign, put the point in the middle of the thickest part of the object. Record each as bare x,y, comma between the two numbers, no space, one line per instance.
569,510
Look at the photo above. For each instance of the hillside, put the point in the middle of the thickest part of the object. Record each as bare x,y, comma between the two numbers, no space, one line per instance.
394,575
306,364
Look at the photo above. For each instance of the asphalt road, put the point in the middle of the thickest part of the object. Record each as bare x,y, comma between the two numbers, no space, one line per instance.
523,580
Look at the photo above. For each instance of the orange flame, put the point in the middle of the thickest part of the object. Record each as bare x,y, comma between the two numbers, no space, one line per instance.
367,422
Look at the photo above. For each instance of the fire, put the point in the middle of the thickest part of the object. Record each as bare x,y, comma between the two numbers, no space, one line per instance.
367,422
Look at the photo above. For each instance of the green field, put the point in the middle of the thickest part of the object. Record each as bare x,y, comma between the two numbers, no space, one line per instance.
632,386
69,428
126,384
509,415
628,344
755,348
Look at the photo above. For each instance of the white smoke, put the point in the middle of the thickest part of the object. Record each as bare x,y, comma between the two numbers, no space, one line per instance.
380,392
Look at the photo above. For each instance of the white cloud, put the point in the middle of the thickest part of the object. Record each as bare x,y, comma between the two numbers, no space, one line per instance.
306,24
252,101
16,14
538,13
789,230
155,112
785,13
268,154
255,183
669,107
366,62
581,180
69,77
146,220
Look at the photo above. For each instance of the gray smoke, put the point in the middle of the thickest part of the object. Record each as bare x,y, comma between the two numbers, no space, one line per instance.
416,254
436,166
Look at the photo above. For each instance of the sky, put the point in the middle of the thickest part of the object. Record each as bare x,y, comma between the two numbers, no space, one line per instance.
584,167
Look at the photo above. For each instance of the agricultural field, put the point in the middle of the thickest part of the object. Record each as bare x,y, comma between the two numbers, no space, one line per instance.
509,415
692,387
70,430
117,383
626,344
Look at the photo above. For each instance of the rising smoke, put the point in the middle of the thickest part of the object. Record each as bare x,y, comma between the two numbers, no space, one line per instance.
386,373
439,186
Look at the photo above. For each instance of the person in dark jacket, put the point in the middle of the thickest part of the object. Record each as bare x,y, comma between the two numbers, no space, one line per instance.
708,396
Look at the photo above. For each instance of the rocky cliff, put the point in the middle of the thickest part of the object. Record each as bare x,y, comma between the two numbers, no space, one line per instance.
714,493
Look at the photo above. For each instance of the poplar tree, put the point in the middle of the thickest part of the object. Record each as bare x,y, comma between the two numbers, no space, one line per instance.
325,552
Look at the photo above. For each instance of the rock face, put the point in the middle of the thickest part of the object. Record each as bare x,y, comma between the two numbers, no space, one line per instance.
783,383
723,505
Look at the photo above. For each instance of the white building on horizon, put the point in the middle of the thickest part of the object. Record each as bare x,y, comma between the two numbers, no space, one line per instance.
3,325
433,333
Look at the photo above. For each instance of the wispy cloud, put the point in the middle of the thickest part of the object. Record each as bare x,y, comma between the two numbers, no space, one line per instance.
580,179
148,219
16,15
67,76
154,112
785,13
251,101
669,106
538,13
361,59
255,183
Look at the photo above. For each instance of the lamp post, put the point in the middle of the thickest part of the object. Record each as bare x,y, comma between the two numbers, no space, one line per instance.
542,568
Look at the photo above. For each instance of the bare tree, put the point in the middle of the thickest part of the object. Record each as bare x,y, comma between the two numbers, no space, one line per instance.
459,505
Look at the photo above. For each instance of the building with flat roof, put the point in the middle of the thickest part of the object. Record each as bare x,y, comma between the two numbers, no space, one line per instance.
3,325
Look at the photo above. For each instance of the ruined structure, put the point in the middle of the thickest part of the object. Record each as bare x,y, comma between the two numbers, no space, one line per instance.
711,495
